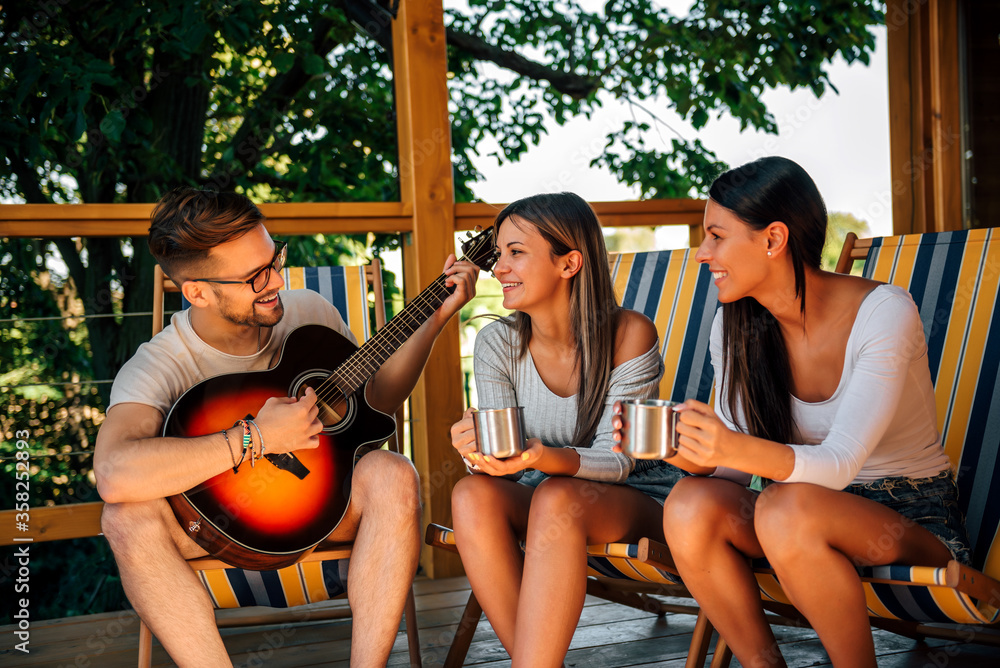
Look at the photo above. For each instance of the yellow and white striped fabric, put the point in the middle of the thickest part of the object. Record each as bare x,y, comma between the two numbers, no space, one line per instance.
954,278
347,289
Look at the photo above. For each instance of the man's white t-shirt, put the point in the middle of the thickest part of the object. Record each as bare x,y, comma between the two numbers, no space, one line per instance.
177,358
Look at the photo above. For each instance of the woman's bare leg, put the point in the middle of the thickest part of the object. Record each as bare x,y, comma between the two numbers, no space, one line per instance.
567,514
709,527
491,518
813,537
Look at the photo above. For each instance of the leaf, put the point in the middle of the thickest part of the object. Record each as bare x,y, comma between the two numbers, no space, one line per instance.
699,118
283,61
112,125
313,65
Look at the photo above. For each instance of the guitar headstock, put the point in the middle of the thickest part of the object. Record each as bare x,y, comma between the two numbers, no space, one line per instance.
481,249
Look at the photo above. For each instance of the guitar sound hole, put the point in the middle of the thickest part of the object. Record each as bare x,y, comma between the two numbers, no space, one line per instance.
334,408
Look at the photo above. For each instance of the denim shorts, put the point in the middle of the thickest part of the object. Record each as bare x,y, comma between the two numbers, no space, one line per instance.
930,502
652,477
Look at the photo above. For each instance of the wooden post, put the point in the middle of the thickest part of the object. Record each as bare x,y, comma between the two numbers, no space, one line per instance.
906,138
946,115
925,126
426,183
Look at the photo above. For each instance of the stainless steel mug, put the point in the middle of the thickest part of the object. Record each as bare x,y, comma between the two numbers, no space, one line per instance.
650,428
500,431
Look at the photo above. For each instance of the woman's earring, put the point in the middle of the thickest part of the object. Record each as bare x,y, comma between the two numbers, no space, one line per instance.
769,253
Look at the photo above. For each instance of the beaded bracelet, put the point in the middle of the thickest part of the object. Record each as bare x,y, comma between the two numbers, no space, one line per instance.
260,437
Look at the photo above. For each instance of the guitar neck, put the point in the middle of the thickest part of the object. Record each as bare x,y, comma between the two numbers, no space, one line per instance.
369,358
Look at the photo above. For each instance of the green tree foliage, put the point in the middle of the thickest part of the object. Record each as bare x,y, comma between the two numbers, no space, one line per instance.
837,226
117,101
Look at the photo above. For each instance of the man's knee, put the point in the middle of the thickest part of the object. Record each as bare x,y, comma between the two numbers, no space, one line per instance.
386,477
130,525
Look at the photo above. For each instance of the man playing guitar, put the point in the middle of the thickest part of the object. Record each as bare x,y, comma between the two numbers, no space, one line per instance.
216,248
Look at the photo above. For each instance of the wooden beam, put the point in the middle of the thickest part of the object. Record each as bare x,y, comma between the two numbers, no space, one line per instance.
45,523
117,220
946,115
905,144
925,122
420,74
641,213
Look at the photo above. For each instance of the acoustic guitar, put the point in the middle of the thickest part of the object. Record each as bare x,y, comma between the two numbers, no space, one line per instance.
272,514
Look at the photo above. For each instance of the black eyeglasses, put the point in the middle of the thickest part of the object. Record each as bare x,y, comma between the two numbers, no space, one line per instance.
259,280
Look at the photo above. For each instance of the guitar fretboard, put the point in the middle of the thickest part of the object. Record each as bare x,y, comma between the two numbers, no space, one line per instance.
362,365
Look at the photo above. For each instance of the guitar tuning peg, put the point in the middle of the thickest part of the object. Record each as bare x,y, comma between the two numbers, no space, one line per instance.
477,229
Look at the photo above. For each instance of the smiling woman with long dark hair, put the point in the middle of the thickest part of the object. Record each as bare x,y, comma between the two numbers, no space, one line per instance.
823,392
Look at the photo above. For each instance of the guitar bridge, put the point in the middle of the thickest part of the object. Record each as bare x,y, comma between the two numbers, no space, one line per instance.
289,462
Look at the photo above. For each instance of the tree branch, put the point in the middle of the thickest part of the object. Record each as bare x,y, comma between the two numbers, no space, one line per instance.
574,85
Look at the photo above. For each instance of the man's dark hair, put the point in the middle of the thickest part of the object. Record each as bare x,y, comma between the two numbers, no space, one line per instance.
187,223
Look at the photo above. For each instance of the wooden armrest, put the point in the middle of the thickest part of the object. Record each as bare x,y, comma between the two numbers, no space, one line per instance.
971,582
432,536
656,554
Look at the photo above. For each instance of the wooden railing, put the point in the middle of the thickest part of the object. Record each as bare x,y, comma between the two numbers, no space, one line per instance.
120,220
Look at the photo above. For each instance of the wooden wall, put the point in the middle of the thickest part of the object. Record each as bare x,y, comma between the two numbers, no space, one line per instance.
944,125
981,25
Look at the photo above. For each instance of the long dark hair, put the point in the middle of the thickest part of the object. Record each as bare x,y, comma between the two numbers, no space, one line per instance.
756,361
568,223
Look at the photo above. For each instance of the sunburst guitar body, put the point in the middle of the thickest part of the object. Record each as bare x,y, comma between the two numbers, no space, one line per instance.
273,513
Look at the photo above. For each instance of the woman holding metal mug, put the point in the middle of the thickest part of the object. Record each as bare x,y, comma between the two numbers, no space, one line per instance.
823,392
566,355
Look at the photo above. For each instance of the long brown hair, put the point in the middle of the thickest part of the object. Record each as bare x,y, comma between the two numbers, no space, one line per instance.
568,223
756,360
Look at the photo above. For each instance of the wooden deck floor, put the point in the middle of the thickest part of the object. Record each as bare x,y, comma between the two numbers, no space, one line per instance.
608,635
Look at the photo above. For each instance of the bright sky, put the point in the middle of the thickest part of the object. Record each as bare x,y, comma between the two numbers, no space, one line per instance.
841,140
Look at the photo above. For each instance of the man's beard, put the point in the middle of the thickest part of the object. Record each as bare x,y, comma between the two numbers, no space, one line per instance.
253,318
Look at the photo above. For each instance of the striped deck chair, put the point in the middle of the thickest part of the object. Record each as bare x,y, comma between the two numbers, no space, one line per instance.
954,278
678,295
321,575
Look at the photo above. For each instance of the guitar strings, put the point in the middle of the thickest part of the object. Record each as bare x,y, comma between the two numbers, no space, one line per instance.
349,370
357,376
353,372
356,369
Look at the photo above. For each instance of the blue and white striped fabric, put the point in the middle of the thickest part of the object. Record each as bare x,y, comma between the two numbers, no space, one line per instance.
677,293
